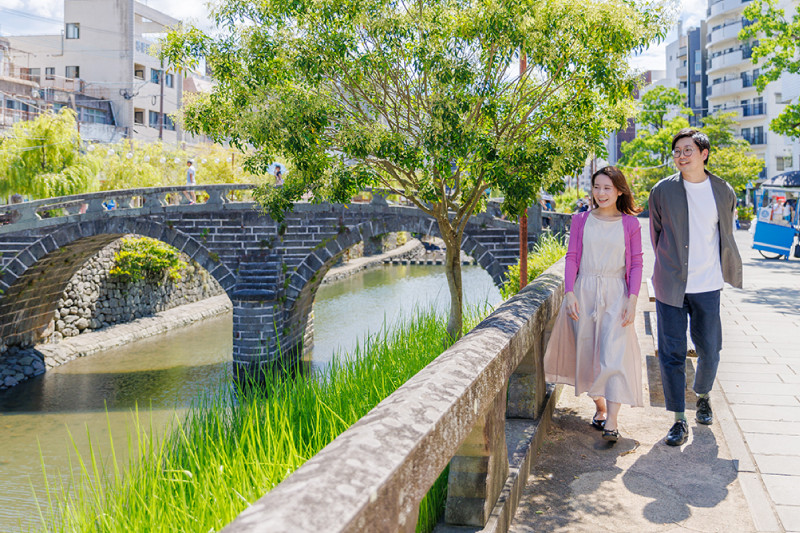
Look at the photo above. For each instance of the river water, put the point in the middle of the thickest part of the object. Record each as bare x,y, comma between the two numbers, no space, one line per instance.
45,420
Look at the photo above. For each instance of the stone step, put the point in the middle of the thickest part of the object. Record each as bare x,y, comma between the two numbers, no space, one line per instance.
255,294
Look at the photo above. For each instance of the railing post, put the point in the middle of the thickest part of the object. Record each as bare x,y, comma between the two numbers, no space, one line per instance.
526,386
479,469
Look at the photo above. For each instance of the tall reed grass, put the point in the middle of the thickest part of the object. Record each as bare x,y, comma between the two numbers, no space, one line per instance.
233,447
547,250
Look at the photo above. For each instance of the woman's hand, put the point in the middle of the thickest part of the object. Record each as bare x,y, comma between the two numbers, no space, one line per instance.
629,313
571,305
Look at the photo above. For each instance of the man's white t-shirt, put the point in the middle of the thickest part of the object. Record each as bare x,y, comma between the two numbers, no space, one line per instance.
705,270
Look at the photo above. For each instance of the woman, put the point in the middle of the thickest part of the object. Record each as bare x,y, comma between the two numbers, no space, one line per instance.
593,346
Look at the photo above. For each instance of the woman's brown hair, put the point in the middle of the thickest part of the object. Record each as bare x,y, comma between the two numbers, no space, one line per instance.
625,201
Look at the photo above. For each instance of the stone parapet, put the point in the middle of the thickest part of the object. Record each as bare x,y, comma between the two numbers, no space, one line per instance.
372,477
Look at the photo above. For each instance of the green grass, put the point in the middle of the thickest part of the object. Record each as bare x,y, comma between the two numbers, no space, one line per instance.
547,250
231,448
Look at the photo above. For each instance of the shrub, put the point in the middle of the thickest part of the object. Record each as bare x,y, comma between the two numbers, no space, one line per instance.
142,258
549,249
745,213
567,201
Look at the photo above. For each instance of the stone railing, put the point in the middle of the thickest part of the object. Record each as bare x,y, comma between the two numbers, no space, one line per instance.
126,201
461,409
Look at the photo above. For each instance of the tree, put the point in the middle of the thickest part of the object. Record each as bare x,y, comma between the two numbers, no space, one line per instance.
40,158
648,157
730,158
779,47
418,97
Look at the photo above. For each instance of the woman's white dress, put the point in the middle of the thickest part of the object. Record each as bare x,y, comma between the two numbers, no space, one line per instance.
596,354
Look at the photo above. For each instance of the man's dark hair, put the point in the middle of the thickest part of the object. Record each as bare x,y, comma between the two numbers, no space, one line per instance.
700,140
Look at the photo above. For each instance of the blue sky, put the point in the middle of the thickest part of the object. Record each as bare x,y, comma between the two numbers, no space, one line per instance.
29,17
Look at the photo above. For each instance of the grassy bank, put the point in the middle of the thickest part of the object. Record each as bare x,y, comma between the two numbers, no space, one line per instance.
231,448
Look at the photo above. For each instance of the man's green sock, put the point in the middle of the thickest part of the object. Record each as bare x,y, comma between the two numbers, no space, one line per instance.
680,416
702,395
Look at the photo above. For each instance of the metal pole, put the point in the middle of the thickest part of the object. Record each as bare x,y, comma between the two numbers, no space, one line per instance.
161,104
523,220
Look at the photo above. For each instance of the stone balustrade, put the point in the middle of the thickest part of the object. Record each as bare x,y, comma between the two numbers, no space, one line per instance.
486,390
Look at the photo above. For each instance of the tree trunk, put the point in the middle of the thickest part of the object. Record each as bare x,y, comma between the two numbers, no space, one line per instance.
452,269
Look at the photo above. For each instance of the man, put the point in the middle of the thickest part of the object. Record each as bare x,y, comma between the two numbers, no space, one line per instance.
691,227
190,180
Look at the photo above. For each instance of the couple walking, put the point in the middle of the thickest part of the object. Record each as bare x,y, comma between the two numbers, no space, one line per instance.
593,346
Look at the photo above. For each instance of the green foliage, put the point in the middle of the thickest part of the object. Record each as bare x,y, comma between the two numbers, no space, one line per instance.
567,201
745,213
777,54
647,158
421,99
231,448
40,158
142,258
547,250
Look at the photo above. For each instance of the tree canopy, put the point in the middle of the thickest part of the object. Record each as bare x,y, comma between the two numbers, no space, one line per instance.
778,52
40,158
423,97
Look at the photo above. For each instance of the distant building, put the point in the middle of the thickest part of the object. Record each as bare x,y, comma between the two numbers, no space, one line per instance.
105,53
25,93
731,85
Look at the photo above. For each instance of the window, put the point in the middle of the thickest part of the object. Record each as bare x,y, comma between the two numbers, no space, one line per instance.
73,30
758,135
31,74
93,116
73,72
138,116
169,80
169,124
745,108
50,73
783,163
746,135
138,71
154,119
759,108
698,62
155,75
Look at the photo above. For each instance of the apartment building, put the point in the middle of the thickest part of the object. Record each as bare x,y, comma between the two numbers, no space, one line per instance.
106,52
686,59
731,85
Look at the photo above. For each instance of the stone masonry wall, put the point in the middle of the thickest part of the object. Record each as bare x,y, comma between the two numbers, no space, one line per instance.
93,299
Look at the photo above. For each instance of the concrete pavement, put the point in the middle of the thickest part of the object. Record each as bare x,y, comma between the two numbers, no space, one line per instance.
740,474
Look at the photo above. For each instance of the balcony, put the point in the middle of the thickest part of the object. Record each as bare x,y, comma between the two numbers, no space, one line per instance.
728,87
731,31
681,72
755,139
723,6
682,52
726,60
753,110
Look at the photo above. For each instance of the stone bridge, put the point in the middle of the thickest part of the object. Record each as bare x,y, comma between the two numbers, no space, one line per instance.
270,270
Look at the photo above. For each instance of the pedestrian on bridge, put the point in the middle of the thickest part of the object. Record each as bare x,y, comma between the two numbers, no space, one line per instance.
190,181
691,228
593,346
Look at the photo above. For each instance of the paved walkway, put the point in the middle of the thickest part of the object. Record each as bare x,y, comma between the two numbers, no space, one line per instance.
740,474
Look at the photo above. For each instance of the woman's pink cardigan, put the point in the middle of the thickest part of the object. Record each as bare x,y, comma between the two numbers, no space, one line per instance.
633,251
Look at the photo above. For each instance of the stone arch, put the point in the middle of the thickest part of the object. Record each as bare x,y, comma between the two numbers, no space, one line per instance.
39,273
307,277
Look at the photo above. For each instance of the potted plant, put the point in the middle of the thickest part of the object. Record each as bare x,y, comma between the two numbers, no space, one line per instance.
745,215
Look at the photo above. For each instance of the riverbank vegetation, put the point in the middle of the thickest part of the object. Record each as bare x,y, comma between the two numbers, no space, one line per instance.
233,447
547,250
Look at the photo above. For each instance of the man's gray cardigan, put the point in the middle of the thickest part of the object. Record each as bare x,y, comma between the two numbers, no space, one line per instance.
669,232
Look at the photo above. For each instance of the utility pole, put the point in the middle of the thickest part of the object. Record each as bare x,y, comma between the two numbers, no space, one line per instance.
161,103
523,219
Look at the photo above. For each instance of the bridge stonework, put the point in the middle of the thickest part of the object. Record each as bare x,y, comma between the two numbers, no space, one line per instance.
270,270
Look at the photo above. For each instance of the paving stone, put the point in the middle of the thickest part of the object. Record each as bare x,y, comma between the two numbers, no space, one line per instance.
761,388
772,427
782,489
748,359
751,377
757,412
790,517
762,399
766,368
773,444
778,464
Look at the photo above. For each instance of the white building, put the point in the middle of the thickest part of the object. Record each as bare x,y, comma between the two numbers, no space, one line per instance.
731,85
105,49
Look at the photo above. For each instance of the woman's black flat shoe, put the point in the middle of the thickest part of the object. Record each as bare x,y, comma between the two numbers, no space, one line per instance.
598,424
611,435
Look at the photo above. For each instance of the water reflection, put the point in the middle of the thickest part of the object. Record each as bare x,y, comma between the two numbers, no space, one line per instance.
96,395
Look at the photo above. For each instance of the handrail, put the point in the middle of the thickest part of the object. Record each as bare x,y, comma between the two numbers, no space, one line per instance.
373,476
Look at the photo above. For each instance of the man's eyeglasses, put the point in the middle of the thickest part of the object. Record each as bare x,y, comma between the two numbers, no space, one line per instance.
688,151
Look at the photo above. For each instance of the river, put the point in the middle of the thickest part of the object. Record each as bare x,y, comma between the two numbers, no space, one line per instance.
44,420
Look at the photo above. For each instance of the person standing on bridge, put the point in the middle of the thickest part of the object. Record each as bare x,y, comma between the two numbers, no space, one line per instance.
190,181
593,346
691,228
